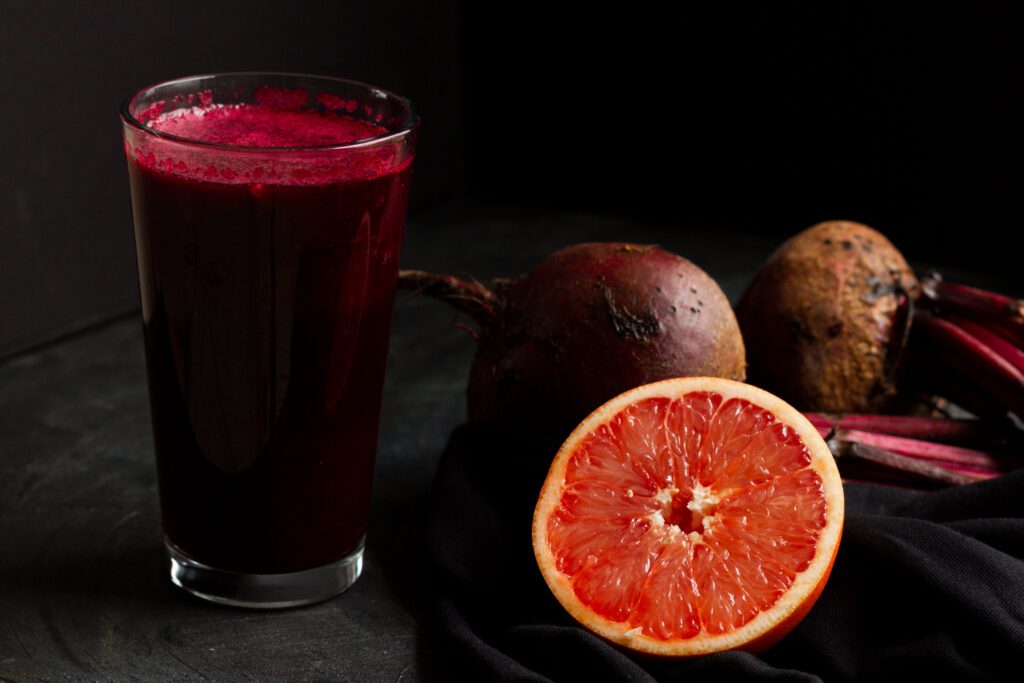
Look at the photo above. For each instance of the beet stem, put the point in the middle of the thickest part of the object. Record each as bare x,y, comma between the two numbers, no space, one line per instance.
921,468
969,355
1005,314
953,455
955,387
993,340
902,321
942,430
470,297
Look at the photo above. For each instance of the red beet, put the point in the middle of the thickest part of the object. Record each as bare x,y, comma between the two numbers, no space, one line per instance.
590,322
827,316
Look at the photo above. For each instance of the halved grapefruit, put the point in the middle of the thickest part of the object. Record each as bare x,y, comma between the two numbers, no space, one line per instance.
690,516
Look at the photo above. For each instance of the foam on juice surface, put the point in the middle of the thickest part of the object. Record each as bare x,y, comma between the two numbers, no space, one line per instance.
253,125
275,136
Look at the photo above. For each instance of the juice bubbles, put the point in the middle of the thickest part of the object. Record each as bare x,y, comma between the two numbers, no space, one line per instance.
267,239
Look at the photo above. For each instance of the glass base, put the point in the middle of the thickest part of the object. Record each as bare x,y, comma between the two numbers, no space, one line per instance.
264,591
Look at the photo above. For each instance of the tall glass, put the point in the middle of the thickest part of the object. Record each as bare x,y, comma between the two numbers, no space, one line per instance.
267,273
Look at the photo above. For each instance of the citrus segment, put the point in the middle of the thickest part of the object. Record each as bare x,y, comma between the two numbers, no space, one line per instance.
689,516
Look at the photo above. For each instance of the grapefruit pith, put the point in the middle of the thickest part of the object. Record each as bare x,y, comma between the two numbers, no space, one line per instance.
690,516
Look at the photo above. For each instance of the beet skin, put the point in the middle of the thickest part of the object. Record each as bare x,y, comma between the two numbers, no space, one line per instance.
591,321
826,317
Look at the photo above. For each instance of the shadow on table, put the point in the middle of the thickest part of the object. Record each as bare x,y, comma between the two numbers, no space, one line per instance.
90,578
397,547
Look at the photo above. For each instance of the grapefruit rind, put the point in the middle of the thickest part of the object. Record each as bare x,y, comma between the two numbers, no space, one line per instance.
770,624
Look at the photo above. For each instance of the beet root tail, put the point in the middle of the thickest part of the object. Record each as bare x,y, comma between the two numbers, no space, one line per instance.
468,296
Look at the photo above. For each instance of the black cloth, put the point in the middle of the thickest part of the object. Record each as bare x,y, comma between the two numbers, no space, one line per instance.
925,585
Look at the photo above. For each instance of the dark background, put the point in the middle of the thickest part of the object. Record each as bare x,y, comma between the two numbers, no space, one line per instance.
756,120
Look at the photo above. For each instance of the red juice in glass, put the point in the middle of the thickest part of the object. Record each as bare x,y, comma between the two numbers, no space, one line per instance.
268,217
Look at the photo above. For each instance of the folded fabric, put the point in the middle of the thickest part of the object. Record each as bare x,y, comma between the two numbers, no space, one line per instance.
925,584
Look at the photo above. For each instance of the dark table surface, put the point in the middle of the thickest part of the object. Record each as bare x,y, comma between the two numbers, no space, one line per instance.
84,593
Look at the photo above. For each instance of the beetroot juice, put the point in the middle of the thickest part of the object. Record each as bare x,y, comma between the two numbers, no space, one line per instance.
268,227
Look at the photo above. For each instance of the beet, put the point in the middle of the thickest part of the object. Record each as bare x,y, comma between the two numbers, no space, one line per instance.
826,319
591,321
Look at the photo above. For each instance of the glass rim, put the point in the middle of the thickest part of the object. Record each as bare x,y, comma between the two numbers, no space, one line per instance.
410,124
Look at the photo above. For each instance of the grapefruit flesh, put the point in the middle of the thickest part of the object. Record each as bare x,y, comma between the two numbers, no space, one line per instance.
690,516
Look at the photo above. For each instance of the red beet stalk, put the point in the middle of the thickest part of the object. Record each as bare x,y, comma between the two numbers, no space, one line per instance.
956,387
994,341
979,464
1002,314
944,453
942,430
967,354
924,470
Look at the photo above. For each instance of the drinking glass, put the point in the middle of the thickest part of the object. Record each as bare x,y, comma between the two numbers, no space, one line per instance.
267,274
